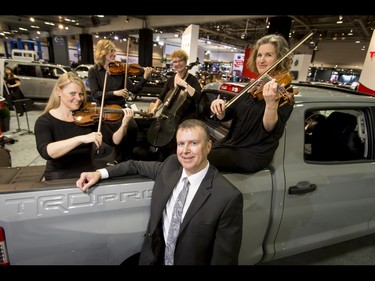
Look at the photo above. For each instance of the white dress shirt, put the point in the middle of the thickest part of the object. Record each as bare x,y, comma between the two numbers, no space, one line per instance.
195,181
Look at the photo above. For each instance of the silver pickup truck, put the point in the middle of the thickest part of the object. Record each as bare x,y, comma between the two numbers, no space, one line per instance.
319,190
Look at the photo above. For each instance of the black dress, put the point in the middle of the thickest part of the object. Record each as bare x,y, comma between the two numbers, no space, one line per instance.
15,93
50,129
248,147
188,109
96,78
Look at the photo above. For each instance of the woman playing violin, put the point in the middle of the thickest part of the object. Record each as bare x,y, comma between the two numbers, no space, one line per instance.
115,91
68,147
256,125
105,56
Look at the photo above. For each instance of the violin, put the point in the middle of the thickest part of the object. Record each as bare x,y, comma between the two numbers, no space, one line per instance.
118,68
89,114
283,88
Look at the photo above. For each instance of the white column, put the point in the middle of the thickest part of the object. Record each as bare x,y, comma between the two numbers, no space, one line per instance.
189,42
300,66
2,61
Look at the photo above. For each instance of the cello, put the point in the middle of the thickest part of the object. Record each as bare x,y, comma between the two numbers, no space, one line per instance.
163,128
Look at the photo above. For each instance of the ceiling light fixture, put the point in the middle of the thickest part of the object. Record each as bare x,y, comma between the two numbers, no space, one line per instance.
244,34
340,19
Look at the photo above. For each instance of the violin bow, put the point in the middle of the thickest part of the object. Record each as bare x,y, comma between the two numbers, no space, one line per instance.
102,103
260,78
126,65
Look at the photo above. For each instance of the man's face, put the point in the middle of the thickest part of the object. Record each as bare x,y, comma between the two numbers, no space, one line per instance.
192,149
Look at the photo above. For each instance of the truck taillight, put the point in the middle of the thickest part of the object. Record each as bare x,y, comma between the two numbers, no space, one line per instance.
3,249
231,88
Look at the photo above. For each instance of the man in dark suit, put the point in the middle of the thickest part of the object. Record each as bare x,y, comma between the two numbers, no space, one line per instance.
211,226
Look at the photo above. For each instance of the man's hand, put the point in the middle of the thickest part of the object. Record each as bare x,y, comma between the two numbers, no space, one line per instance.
88,179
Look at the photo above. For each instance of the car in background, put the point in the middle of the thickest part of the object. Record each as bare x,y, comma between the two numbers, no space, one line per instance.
153,86
83,69
37,79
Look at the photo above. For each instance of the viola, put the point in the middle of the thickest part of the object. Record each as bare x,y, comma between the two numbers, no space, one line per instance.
283,86
89,114
119,68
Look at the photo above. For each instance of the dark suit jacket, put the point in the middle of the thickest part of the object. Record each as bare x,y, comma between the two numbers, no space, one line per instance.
211,231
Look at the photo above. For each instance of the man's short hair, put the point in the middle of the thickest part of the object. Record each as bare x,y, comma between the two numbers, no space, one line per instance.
192,123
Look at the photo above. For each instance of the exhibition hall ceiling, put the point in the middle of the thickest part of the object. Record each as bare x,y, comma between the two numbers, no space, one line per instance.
237,31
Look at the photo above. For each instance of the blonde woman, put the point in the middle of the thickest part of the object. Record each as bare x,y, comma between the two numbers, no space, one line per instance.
115,92
67,146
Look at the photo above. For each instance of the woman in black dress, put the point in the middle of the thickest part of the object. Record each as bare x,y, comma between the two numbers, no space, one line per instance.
256,125
182,80
67,146
13,84
115,91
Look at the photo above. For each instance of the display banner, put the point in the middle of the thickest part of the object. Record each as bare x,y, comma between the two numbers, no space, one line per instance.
366,80
238,62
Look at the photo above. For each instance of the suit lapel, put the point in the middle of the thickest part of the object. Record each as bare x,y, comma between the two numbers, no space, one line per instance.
203,192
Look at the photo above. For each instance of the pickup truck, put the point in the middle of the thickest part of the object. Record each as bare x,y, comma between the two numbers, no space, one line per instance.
319,190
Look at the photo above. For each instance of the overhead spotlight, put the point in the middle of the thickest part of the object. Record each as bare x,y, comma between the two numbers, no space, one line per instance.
340,20
243,35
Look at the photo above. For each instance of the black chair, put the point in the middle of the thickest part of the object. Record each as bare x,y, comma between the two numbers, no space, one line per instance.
23,106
